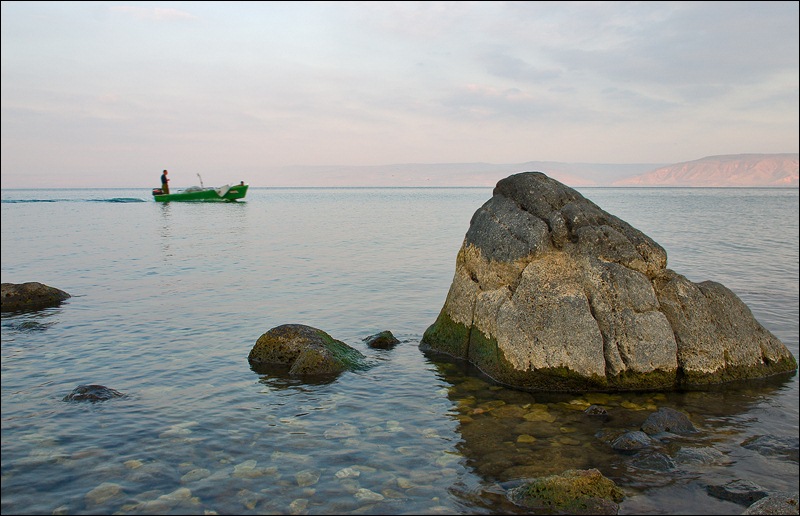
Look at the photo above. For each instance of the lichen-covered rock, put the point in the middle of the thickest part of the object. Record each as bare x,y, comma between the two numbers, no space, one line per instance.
29,296
552,293
572,492
776,503
303,351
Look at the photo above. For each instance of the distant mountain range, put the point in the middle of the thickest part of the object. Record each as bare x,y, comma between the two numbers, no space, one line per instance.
750,170
735,170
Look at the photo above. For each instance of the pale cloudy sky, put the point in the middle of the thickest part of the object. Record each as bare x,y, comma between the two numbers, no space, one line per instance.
108,94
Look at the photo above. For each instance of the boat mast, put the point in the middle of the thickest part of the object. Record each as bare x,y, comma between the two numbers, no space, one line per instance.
201,180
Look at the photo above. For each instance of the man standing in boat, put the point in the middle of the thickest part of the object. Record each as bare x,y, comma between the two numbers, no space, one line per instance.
164,183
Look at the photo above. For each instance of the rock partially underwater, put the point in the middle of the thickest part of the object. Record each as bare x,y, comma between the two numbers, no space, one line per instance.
552,293
30,296
92,393
301,350
382,340
572,492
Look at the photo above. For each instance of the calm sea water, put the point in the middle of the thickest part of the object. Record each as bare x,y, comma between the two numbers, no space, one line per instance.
168,300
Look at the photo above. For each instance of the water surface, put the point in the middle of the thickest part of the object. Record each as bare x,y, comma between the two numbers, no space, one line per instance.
168,300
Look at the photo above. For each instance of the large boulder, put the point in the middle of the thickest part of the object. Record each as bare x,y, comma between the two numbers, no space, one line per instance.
552,293
30,296
303,350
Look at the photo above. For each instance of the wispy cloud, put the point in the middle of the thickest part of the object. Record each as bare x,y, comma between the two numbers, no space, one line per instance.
157,14
258,86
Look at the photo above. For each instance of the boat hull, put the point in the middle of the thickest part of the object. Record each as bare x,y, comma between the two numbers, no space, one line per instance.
233,193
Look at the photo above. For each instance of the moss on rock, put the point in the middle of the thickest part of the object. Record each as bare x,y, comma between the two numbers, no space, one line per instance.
382,340
629,380
785,365
572,492
456,340
446,336
303,351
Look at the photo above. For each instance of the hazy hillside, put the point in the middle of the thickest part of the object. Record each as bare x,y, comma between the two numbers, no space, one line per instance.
457,174
751,170
745,170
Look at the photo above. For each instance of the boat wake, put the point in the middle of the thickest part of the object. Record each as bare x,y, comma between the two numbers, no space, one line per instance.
113,200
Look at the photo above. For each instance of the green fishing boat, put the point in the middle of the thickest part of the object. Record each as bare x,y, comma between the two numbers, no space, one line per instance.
226,193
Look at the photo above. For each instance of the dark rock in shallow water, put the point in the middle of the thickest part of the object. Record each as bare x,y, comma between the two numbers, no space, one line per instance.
632,441
668,420
551,293
738,491
774,446
303,351
596,411
655,461
382,340
703,456
30,296
92,393
30,326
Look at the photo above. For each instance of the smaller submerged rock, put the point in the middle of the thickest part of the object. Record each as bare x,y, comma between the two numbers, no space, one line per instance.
743,492
572,492
303,351
596,411
774,446
30,296
632,441
382,340
92,393
668,420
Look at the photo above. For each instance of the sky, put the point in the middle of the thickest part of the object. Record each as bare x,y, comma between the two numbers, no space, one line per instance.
108,94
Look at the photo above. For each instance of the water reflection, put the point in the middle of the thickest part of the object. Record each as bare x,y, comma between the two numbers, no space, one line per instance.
28,321
278,377
509,435
166,230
